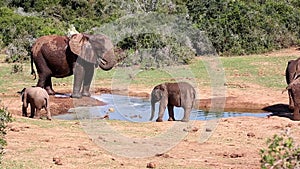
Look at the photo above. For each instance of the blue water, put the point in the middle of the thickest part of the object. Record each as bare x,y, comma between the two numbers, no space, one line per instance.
138,110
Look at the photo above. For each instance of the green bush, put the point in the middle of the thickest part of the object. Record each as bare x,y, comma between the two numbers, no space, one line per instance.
246,27
18,33
5,118
282,153
235,27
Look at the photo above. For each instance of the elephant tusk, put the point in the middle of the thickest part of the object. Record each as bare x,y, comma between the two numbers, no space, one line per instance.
103,61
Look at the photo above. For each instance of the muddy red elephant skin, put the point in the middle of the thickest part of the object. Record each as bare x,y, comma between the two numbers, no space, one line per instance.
291,73
180,94
60,56
294,88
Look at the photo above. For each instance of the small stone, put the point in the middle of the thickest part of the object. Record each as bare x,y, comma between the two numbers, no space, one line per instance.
250,134
236,155
111,110
14,129
195,129
208,130
82,148
57,161
151,165
162,155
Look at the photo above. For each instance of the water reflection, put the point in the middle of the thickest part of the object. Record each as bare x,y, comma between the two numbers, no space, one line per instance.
138,110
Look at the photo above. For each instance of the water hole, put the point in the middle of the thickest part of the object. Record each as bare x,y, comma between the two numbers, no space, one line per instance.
137,109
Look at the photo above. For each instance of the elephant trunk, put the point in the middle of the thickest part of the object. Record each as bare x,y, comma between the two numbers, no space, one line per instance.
152,109
108,61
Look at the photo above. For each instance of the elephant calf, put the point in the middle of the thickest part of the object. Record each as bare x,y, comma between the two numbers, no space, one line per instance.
179,94
294,88
38,98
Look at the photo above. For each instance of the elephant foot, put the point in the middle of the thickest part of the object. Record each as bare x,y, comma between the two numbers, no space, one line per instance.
86,94
185,120
291,108
159,120
171,119
296,117
86,91
76,95
50,91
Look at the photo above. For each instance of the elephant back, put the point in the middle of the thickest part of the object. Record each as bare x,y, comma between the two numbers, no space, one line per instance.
49,39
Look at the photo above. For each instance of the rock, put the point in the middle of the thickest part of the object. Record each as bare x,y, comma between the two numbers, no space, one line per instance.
151,165
14,129
208,130
189,129
82,148
111,110
57,161
195,129
162,155
236,155
250,134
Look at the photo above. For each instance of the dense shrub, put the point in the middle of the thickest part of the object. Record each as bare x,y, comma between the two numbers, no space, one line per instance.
5,118
18,32
281,153
244,27
234,26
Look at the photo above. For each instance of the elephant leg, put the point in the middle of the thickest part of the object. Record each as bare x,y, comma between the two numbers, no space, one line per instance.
296,115
186,116
43,71
48,113
162,108
24,110
37,113
32,112
48,86
291,101
78,78
171,113
89,73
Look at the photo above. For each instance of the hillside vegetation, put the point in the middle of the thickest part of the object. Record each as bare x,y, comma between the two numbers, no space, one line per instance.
234,27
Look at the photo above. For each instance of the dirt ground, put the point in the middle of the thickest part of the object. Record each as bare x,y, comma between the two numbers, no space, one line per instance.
225,143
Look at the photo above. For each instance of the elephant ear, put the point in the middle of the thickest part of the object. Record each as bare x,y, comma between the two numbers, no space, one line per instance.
163,87
80,45
76,42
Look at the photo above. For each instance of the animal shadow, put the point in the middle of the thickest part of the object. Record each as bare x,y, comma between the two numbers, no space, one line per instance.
281,110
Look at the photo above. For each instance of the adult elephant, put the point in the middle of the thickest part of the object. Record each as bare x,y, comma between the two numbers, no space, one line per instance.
180,94
292,72
60,56
294,88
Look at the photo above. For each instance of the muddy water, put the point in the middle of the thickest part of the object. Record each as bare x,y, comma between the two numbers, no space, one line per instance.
138,110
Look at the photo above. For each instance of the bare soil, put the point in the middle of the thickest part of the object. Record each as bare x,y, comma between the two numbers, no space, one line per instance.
233,142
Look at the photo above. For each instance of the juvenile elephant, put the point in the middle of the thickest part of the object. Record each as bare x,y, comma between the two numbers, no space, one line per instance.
60,56
38,98
294,88
291,73
179,94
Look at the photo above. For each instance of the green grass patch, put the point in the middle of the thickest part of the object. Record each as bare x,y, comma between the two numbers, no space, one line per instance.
259,70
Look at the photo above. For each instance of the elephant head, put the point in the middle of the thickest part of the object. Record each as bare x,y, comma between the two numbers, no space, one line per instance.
158,92
97,49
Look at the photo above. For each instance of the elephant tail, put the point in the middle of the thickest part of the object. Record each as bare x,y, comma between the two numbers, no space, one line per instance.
46,102
32,69
194,98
